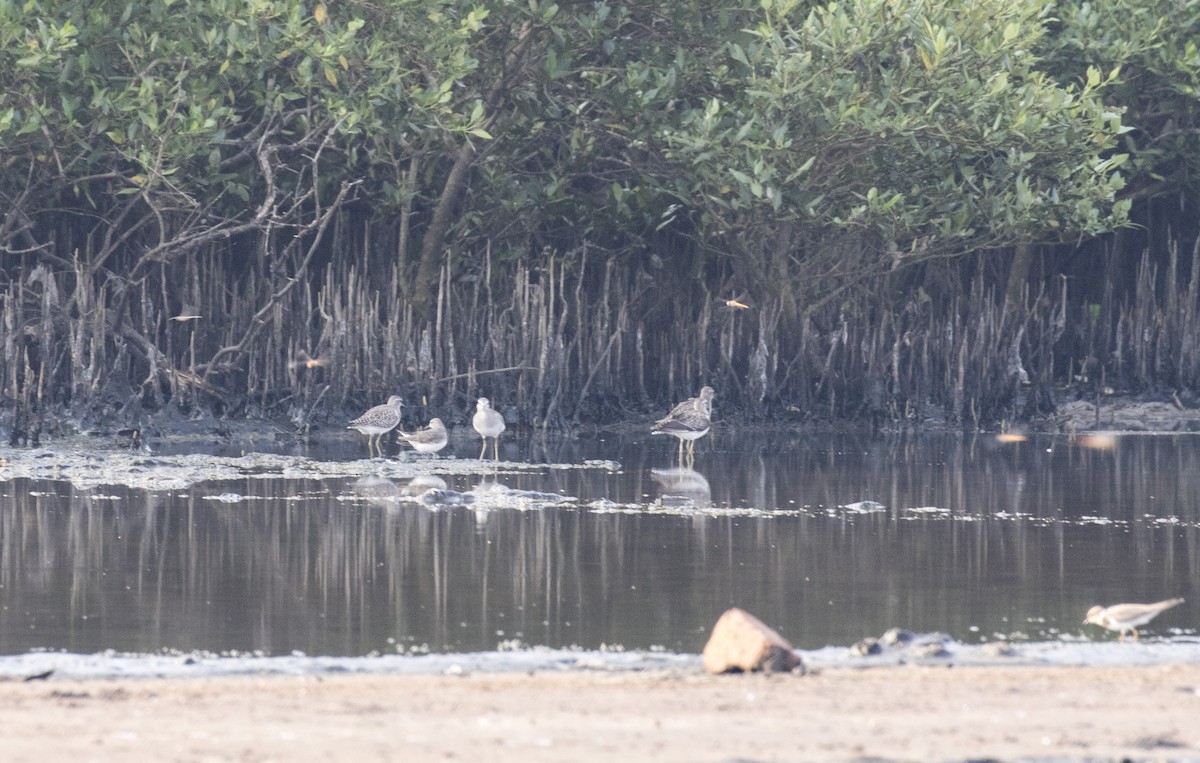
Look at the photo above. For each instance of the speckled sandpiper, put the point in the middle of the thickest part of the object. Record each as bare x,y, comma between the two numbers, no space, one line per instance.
431,439
1127,617
377,422
488,423
689,421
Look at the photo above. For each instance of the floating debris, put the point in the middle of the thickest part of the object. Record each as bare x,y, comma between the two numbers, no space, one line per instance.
935,511
607,506
88,468
863,507
418,486
492,495
227,498
900,645
438,497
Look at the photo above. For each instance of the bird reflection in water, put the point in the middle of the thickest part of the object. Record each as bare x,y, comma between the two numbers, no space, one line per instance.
422,484
683,485
425,488
433,493
377,491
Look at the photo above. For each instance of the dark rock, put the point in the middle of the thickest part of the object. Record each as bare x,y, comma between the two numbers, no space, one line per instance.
866,647
436,497
897,636
930,649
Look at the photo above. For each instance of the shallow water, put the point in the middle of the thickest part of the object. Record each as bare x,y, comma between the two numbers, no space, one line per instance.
828,539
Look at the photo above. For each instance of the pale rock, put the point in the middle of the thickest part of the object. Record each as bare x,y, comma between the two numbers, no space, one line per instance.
742,642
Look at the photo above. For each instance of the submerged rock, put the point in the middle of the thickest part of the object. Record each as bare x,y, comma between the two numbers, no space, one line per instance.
999,649
492,495
418,485
930,649
901,644
866,647
897,636
437,497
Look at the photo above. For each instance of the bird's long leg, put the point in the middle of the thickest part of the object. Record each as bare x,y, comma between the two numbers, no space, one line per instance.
496,448
1135,634
681,451
484,448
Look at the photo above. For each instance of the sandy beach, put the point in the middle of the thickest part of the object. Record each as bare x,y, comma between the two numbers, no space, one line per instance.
895,713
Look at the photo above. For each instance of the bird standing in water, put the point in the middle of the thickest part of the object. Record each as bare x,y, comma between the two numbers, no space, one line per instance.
431,439
377,422
1126,617
488,423
688,421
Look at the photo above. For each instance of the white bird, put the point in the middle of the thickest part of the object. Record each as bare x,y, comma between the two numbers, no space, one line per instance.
488,423
378,421
1127,617
431,439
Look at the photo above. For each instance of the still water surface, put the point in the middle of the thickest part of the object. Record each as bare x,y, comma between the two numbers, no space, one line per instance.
827,538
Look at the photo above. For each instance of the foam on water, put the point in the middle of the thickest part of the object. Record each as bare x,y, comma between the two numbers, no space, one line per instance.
112,665
89,468
68,666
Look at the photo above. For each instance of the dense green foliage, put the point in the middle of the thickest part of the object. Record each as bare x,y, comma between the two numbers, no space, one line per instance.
794,151
183,119
931,131
1156,48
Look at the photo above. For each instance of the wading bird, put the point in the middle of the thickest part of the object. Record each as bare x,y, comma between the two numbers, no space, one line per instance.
1127,617
488,423
377,422
431,439
689,421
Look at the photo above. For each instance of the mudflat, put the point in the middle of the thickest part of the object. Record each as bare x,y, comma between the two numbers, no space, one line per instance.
915,713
